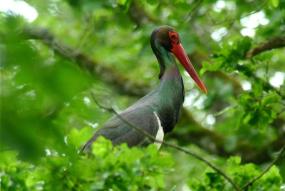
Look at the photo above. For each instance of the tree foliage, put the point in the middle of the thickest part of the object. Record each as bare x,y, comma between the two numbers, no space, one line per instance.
49,67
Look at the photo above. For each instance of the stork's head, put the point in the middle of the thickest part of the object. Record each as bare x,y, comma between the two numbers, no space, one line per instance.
167,38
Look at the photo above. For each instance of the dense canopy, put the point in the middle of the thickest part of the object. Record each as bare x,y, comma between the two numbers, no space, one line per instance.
64,64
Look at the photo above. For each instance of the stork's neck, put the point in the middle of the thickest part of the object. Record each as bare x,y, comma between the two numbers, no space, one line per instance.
169,74
170,90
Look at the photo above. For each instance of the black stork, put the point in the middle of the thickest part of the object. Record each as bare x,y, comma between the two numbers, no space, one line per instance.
158,111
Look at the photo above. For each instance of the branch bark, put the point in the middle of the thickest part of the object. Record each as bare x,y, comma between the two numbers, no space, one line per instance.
106,74
277,42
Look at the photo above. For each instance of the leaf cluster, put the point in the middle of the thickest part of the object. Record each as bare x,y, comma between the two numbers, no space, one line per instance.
241,174
107,167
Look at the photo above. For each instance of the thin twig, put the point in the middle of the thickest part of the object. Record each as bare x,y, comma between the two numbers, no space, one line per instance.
181,149
193,11
226,109
251,182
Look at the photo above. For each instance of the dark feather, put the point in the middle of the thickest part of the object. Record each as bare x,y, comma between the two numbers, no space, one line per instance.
119,132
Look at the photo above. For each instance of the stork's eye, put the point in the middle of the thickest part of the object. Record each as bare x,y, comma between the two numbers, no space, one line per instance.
173,36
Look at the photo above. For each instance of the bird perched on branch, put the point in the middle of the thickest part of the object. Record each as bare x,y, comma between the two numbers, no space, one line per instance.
157,112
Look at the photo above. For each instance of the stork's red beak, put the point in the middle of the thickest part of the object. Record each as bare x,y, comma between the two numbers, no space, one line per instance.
179,52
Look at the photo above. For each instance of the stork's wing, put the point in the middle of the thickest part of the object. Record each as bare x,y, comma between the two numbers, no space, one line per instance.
118,131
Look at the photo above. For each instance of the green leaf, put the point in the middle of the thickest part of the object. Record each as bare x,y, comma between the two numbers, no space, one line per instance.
214,66
274,3
78,137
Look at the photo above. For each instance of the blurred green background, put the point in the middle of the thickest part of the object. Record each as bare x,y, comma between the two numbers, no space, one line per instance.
54,53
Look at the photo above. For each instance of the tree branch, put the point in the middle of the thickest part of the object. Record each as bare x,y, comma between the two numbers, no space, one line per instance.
193,11
277,42
106,74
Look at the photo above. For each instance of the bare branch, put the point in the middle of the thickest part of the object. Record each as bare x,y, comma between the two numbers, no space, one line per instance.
176,147
277,42
251,182
193,11
106,74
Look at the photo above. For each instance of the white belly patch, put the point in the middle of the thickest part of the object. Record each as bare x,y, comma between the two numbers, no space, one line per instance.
160,134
